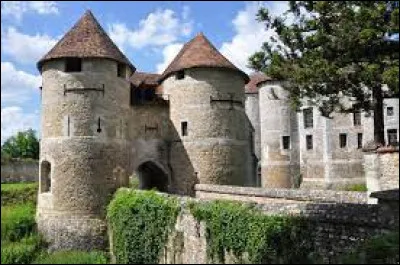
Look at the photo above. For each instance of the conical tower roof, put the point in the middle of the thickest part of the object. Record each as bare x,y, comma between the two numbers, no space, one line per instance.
86,39
199,52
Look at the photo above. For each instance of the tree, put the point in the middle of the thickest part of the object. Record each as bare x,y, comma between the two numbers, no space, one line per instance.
23,145
331,50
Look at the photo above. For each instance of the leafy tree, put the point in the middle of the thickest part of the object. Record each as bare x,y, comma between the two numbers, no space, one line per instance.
330,50
23,145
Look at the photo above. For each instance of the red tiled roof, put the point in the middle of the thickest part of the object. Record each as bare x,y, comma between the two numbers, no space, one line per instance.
86,39
255,79
199,52
139,78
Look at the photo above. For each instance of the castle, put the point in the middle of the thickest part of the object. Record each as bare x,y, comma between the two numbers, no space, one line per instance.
202,121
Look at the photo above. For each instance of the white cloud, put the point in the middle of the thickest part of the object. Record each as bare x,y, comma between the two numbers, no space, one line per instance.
17,9
250,34
169,52
160,28
24,48
17,86
14,119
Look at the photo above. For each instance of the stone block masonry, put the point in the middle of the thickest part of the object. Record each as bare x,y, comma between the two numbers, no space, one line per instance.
16,170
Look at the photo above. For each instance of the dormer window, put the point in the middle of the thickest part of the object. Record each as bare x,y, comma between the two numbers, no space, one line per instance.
73,65
180,75
121,70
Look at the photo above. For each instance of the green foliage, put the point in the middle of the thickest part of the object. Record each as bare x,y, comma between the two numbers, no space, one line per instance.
382,249
23,145
243,230
356,187
21,252
19,193
140,222
331,49
17,221
72,257
134,182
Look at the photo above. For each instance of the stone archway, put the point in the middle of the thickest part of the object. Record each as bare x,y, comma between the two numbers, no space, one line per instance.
151,176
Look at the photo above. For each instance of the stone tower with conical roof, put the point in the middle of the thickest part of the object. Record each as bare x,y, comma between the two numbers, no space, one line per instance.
84,152
206,95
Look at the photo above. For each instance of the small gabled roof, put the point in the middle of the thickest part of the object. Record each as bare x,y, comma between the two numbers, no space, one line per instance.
199,52
86,39
255,80
139,78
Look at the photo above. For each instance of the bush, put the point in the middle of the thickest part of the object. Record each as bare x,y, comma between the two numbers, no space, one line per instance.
243,230
72,257
382,249
17,221
19,193
140,222
22,252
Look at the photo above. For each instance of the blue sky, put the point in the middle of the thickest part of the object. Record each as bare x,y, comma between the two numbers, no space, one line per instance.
149,33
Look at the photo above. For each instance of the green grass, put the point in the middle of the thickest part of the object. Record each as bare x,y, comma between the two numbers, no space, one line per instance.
356,187
21,252
72,257
19,193
17,221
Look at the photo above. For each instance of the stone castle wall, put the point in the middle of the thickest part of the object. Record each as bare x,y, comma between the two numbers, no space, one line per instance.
19,171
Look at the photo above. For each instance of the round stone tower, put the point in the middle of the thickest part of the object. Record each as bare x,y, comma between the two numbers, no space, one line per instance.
210,142
280,166
84,150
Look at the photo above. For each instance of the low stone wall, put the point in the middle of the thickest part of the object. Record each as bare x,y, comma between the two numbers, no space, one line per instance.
19,171
263,195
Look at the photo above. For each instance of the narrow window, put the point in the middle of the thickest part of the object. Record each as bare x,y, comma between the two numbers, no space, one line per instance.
392,136
343,140
73,65
389,111
309,142
184,128
286,142
98,126
69,125
359,140
45,176
357,118
121,70
180,75
308,118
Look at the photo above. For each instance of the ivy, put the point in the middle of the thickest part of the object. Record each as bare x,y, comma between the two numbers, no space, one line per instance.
140,223
252,236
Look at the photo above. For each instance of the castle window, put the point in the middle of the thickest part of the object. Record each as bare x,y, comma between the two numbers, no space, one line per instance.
342,140
392,137
357,118
308,118
389,111
180,75
309,142
184,128
73,65
121,70
45,176
99,125
359,140
286,142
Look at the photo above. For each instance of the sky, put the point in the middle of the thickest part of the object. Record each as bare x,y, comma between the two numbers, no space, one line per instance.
149,33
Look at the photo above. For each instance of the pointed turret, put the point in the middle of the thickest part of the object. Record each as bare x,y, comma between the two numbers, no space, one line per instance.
199,52
86,39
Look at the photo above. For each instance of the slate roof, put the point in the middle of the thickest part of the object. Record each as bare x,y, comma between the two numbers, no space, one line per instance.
86,39
199,52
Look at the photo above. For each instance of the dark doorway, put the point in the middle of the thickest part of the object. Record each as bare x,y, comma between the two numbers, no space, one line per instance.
152,177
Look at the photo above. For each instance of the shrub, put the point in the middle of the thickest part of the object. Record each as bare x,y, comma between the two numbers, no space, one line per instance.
243,230
19,193
21,252
382,249
72,257
140,222
17,221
